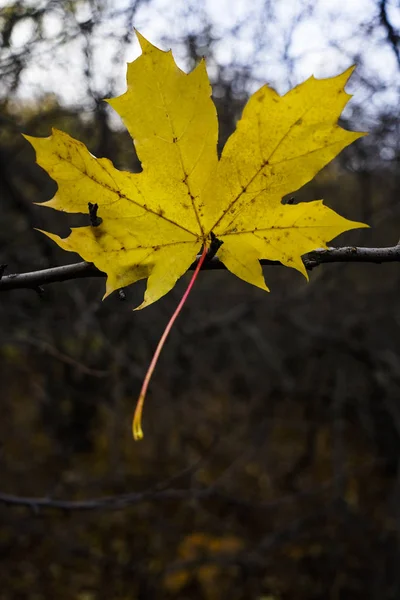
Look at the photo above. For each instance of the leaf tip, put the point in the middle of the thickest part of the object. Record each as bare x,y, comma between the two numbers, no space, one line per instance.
56,238
110,288
145,45
140,307
349,71
262,285
32,139
360,225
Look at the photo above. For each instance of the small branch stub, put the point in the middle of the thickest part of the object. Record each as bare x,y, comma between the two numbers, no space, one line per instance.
215,245
95,221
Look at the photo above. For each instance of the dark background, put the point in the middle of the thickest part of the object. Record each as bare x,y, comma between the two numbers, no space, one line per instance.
270,464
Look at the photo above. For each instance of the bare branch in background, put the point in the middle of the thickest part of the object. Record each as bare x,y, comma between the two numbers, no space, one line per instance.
392,35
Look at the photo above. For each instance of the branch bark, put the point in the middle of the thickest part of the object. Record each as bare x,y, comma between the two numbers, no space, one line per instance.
123,501
35,279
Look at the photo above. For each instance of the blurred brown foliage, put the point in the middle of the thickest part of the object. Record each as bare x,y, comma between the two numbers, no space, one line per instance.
270,466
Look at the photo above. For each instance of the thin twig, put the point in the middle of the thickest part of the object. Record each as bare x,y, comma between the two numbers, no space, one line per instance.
313,259
161,492
122,501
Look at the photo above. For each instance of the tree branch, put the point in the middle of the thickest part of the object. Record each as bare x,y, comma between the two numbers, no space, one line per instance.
105,502
391,33
165,492
122,501
35,279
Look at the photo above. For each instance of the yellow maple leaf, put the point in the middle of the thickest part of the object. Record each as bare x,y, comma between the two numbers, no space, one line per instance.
154,223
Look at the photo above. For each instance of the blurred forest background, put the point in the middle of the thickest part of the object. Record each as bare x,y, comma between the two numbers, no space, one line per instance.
270,468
